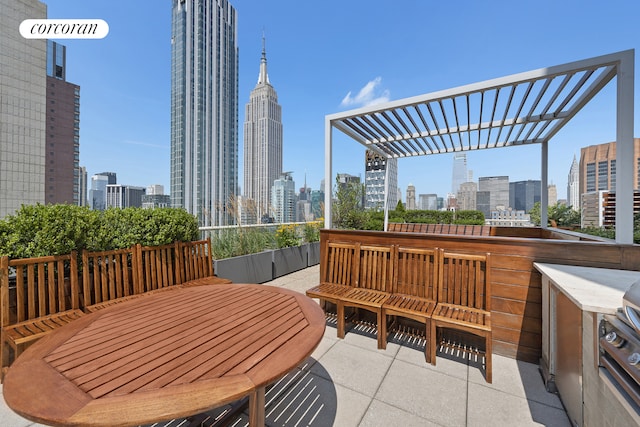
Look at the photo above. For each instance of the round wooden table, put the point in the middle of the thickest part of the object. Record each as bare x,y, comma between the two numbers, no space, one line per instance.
167,355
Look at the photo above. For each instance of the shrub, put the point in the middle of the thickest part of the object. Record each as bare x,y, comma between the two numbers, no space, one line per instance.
312,232
232,242
41,230
286,236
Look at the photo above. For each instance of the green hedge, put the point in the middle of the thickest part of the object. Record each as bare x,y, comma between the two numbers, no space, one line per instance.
376,219
41,230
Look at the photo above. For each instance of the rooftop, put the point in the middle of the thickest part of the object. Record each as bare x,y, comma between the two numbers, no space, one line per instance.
350,383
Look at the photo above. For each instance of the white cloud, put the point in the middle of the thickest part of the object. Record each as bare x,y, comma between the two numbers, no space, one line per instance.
370,94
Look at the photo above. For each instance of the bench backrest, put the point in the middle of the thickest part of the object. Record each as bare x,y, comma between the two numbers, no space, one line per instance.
194,260
468,230
375,267
339,268
43,286
416,272
108,275
158,266
464,279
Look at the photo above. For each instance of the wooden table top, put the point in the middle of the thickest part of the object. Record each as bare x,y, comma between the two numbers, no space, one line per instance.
168,355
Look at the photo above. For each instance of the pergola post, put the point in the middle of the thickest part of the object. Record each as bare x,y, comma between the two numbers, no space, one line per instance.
544,192
624,149
386,195
328,184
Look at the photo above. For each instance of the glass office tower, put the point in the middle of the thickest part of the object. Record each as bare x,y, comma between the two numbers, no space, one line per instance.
204,109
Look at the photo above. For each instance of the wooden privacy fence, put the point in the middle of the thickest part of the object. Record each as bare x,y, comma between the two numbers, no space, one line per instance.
38,295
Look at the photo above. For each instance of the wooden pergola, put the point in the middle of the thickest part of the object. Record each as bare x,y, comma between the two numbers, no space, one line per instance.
521,109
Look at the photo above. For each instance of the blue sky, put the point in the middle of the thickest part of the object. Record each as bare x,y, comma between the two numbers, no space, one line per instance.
335,55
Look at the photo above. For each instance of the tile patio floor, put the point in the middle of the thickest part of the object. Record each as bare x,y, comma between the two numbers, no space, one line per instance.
349,383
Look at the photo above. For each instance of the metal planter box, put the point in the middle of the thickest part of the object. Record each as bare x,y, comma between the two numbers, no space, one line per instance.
252,268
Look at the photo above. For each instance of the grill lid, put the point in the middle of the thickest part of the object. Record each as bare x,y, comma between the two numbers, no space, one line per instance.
631,305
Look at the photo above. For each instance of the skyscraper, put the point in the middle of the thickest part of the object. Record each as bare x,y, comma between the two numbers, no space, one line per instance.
22,108
411,198
374,181
493,194
524,194
204,109
573,185
283,198
98,192
262,141
62,170
460,173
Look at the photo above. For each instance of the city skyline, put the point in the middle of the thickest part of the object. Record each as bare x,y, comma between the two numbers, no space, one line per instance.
315,79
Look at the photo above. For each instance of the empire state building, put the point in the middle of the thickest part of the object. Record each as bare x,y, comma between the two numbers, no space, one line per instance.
262,143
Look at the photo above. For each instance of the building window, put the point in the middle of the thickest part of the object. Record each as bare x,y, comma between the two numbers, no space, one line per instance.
591,177
603,175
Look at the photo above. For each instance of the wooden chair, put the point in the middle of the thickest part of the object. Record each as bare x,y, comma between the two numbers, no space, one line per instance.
157,267
43,296
374,270
414,290
464,300
195,264
336,275
109,277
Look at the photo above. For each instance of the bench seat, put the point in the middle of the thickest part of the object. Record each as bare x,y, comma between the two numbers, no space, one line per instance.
22,334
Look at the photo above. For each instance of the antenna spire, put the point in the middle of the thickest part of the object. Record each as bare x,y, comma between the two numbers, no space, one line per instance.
263,77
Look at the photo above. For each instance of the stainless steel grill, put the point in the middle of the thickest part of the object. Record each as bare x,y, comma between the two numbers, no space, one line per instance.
620,346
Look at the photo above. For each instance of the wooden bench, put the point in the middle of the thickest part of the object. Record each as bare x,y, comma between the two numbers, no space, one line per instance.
442,289
414,290
195,264
109,277
336,275
374,275
42,296
464,300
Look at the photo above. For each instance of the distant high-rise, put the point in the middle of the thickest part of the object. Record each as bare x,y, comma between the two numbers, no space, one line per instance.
62,169
573,185
374,181
283,199
552,194
493,194
460,173
204,109
524,194
98,192
428,202
124,196
82,187
262,141
467,196
411,197
598,167
22,108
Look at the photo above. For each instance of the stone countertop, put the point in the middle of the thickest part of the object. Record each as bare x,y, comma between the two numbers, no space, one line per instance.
593,289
